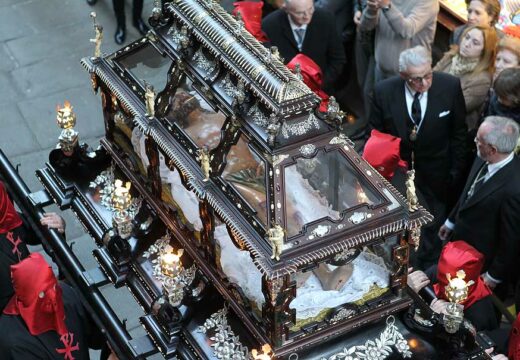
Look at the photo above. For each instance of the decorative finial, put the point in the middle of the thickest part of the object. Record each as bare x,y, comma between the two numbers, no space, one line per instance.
98,38
272,129
334,115
298,71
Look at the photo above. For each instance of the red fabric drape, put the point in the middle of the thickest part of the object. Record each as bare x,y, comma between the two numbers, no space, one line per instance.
9,218
312,77
251,12
382,151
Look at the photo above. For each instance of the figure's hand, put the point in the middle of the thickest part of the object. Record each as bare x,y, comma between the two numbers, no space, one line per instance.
417,279
357,17
439,306
53,221
444,233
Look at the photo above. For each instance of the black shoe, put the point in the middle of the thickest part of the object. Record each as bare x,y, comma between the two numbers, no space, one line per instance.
141,26
91,2
120,35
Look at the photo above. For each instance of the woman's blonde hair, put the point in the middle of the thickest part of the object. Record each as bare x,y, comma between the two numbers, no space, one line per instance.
510,43
487,58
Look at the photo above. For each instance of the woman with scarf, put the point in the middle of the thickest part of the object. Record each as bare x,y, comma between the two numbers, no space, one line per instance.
45,318
472,62
14,237
455,256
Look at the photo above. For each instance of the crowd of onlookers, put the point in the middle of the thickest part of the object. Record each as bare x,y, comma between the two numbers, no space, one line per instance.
456,123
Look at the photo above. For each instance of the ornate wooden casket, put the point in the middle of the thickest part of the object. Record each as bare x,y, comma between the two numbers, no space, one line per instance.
238,215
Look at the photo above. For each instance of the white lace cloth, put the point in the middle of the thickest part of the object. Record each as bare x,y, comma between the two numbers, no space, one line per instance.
368,269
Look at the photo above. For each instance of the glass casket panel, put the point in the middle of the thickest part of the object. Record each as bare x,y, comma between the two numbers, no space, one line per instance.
190,112
245,171
148,65
321,187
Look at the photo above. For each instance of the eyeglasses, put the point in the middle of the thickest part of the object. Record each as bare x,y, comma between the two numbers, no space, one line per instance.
481,142
417,80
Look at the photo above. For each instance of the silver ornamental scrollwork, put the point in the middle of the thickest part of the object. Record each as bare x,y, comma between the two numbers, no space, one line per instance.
342,315
307,150
379,348
202,62
228,87
258,117
341,139
301,127
358,217
105,183
226,345
344,255
173,286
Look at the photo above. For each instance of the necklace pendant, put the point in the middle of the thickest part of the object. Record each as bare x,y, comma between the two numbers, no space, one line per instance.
413,134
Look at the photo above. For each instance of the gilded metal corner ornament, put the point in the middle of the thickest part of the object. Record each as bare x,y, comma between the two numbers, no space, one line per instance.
276,236
225,343
278,159
204,157
379,348
411,196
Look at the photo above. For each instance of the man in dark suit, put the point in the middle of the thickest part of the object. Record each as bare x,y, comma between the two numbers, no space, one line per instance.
300,28
487,215
426,110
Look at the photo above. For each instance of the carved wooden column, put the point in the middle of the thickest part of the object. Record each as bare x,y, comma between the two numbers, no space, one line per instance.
400,256
207,216
108,112
152,152
277,314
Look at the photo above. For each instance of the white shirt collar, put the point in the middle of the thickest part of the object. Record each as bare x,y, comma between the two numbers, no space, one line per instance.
294,26
493,168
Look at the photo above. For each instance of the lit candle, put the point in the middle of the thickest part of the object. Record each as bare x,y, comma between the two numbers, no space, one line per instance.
170,262
66,118
121,199
267,353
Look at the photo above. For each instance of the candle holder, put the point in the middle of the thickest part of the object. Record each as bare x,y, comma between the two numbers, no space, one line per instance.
168,269
170,262
267,353
456,292
66,119
121,202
